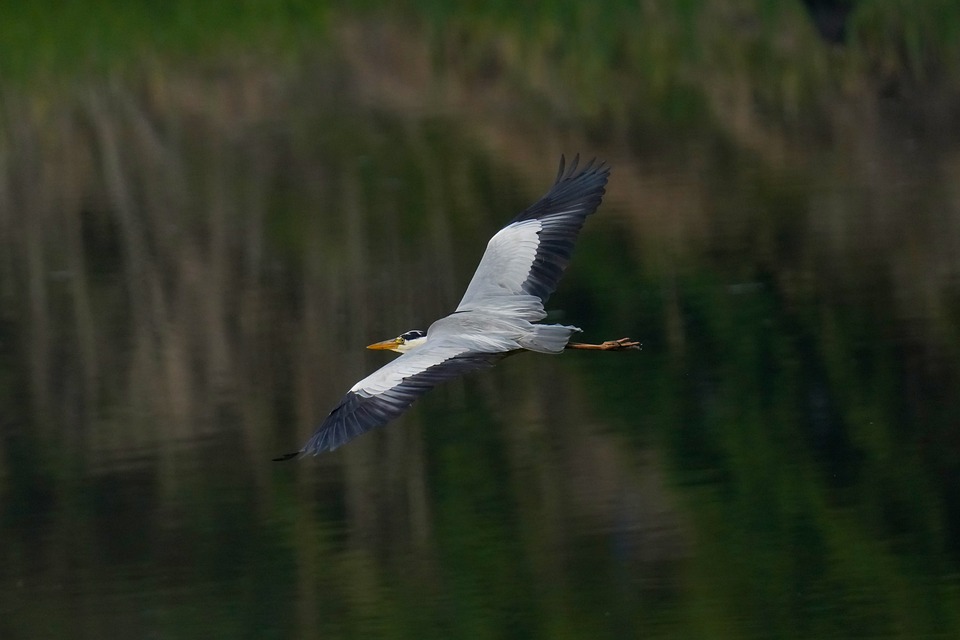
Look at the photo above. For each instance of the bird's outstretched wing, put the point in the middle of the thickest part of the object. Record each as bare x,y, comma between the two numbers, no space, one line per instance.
524,261
390,390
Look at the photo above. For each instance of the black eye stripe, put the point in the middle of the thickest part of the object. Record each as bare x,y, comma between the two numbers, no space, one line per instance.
413,335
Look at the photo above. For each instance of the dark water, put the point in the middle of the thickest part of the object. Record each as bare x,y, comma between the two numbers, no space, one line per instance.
187,291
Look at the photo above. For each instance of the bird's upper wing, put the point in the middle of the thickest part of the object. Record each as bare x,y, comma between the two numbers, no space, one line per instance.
391,389
524,261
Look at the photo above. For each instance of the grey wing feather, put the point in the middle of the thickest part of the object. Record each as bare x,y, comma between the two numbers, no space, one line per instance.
389,391
525,260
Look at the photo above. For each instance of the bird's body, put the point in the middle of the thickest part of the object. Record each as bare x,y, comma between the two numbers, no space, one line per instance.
497,316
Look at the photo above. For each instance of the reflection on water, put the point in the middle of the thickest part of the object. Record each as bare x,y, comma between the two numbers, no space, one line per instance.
186,292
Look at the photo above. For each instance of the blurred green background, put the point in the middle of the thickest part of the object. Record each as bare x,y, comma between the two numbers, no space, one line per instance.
208,208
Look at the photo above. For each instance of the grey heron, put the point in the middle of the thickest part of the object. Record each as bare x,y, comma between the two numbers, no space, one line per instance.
497,316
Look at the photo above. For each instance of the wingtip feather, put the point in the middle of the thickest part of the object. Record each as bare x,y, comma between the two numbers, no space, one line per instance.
594,166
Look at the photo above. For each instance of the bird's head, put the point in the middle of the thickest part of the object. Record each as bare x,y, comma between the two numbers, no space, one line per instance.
403,342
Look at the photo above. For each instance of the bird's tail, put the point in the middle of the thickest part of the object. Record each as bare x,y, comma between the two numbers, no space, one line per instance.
548,338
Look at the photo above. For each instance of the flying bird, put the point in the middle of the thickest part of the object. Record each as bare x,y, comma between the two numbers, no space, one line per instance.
497,316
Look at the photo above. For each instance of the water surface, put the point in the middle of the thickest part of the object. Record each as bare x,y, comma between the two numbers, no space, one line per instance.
187,293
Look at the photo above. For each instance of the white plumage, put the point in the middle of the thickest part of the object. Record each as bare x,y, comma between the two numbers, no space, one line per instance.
504,267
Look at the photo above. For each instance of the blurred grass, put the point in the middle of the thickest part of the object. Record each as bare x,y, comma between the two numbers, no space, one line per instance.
657,43
56,40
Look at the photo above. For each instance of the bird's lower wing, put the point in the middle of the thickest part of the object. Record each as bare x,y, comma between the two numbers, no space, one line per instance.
390,390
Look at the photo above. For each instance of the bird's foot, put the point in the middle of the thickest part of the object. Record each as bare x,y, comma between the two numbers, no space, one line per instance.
623,344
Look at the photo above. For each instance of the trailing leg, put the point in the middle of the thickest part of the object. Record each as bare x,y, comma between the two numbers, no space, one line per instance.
623,344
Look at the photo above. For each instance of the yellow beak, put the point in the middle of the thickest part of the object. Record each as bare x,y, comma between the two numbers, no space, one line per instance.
386,345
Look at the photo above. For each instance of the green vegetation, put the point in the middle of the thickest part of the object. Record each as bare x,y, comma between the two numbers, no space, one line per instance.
658,43
55,40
